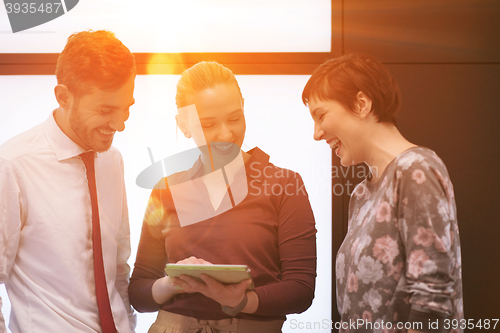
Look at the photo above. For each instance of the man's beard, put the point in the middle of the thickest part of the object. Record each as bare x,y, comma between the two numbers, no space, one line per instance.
83,133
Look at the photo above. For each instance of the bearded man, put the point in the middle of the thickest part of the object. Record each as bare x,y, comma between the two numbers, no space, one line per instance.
64,231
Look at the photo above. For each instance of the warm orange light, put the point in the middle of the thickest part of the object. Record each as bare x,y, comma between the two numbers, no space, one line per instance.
154,212
160,63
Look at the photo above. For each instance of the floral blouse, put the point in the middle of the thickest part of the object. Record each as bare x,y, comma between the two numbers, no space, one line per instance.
400,260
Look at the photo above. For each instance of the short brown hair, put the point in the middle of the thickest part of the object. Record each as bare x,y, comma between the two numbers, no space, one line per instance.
341,79
94,58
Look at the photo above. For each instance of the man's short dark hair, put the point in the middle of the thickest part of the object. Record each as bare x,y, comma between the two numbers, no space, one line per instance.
341,79
94,58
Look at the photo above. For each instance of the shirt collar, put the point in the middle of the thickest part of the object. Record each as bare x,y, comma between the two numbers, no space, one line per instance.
256,164
63,146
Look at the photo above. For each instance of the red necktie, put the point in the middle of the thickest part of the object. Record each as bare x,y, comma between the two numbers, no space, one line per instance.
101,290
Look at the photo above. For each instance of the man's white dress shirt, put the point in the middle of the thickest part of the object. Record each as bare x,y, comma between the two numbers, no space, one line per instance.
46,259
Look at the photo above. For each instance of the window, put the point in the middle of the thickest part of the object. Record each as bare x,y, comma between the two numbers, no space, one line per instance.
280,37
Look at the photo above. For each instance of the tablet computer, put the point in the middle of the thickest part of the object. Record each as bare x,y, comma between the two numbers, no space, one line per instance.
225,274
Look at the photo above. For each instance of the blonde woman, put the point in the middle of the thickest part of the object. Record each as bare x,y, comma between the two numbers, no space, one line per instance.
273,234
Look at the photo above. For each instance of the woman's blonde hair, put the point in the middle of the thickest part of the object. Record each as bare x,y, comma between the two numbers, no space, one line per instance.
203,75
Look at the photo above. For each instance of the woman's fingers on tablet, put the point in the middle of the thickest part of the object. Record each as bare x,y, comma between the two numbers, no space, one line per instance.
208,286
182,281
194,261
192,285
204,262
211,282
246,283
187,261
242,286
174,281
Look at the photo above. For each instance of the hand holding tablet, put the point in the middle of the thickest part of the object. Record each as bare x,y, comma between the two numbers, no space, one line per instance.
225,274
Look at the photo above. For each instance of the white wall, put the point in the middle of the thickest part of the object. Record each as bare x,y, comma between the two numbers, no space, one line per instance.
277,122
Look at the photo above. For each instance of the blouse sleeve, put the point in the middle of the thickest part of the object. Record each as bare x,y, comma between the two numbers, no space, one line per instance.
297,250
151,257
428,226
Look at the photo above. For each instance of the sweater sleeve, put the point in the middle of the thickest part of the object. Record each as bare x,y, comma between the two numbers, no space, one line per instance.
297,251
428,227
151,256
